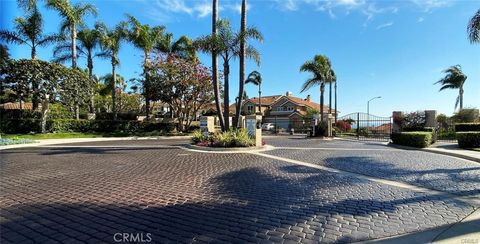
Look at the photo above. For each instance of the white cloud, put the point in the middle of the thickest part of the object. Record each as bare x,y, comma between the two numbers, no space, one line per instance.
166,10
420,20
385,25
429,5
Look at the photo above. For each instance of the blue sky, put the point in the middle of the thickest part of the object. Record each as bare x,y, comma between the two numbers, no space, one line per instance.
393,49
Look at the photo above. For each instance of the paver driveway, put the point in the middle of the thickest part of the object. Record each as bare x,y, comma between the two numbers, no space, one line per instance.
88,192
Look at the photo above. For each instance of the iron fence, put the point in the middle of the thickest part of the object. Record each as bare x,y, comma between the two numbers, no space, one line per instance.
363,126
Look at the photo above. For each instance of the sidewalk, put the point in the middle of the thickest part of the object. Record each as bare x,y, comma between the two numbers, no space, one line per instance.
452,149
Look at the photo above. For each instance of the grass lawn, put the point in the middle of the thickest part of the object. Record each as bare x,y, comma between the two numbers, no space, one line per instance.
476,149
83,135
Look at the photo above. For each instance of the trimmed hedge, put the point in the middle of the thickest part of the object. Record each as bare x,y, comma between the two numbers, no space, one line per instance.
467,127
468,139
419,139
22,126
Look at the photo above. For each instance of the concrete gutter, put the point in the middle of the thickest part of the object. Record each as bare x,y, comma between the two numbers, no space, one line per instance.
47,142
472,156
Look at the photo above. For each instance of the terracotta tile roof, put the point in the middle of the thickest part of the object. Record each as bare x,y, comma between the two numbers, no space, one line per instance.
266,100
309,104
212,106
16,105
382,128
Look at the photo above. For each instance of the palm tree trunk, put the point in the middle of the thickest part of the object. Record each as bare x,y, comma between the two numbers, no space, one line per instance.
322,90
226,97
260,98
35,101
146,63
43,121
461,97
74,46
336,112
114,81
241,80
216,85
330,97
90,77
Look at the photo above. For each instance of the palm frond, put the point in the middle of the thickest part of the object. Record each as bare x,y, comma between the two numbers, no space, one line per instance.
62,58
49,39
473,28
253,54
310,83
12,37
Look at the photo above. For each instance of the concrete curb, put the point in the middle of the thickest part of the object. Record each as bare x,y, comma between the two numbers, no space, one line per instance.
196,148
46,142
431,150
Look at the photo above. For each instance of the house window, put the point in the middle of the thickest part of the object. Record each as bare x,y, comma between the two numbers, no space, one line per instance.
290,108
250,109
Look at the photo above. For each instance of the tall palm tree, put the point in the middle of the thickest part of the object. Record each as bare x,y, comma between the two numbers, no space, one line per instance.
146,38
332,78
241,54
320,68
73,17
336,111
215,78
454,79
110,42
227,44
182,47
474,28
29,32
256,78
88,41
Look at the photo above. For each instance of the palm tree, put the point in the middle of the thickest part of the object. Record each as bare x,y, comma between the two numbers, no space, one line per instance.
336,111
215,79
454,79
88,40
241,54
73,17
320,68
227,44
332,78
145,38
110,42
256,78
474,28
182,47
29,32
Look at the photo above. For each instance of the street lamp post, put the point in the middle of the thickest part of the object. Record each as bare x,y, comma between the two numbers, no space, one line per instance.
368,112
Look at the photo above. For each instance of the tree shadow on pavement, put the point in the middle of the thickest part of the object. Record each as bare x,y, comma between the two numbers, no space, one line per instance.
246,205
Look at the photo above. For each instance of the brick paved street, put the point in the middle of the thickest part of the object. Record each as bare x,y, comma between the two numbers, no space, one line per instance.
79,193
434,171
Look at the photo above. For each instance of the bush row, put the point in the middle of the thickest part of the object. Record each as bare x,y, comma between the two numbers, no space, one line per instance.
22,126
58,111
467,127
413,139
468,139
231,138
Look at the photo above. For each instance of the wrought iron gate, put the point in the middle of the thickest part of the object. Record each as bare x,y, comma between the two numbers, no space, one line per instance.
363,126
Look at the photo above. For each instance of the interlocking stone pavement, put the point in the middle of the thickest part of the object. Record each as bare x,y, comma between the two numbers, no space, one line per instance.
86,195
434,171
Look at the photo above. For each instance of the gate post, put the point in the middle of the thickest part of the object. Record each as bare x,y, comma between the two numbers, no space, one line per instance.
358,126
431,118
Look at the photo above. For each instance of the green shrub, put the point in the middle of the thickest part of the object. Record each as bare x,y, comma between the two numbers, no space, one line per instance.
466,115
426,129
232,138
467,127
468,139
198,136
60,111
23,126
7,114
120,116
413,139
321,129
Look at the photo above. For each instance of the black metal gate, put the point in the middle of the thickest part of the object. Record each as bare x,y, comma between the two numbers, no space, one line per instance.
363,126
